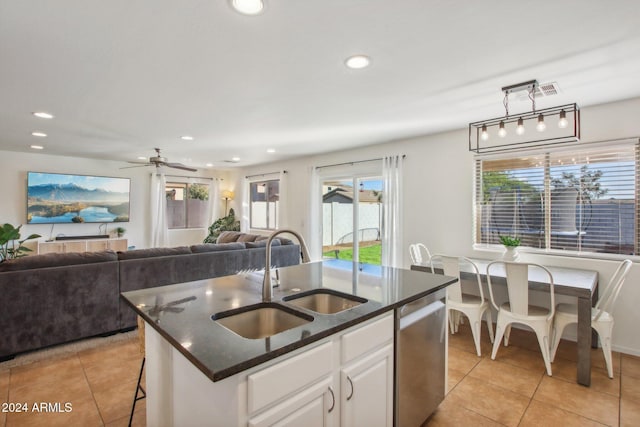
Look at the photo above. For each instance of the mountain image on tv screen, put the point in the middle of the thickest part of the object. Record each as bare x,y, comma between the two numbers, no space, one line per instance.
60,198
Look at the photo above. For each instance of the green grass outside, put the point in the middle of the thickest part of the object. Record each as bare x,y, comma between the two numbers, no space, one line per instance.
369,254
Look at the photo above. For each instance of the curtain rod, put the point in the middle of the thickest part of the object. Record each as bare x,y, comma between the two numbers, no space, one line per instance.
194,177
263,174
354,162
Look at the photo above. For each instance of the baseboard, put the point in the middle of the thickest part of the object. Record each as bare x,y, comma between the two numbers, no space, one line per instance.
626,350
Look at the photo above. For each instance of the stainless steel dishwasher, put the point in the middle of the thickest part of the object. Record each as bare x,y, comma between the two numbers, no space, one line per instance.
420,359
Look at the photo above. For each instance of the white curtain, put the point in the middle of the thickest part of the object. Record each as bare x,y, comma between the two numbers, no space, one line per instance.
283,199
158,209
315,216
214,201
245,210
392,211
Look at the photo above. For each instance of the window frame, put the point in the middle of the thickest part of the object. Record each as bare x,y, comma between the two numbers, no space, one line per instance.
276,206
546,153
185,185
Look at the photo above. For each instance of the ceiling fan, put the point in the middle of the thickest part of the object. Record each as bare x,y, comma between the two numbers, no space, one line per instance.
158,161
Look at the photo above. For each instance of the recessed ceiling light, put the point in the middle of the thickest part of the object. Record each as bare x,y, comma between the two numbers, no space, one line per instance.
235,159
43,115
39,134
37,147
271,150
209,165
248,7
142,158
187,138
357,61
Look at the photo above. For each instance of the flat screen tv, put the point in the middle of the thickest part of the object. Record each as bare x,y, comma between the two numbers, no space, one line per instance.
59,198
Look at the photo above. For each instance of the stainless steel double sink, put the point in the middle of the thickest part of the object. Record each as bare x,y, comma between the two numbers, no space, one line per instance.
268,318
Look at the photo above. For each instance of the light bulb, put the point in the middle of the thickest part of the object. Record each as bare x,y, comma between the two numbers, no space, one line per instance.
563,122
248,7
541,126
502,132
484,135
520,127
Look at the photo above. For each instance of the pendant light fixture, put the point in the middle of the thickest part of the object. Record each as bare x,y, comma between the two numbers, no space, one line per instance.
554,125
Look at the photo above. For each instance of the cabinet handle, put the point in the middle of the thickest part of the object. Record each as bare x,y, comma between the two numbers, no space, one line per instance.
333,399
351,384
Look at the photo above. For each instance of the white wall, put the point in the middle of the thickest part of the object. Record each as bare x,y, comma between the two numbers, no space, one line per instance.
13,206
438,185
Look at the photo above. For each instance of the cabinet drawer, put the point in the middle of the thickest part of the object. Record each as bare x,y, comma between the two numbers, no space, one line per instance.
367,338
287,377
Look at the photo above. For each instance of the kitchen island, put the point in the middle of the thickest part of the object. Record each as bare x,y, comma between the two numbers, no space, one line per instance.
199,371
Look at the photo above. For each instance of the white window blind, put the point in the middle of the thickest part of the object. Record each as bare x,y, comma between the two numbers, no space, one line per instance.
582,200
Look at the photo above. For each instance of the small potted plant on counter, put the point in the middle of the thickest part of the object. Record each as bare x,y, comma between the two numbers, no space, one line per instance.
120,231
511,245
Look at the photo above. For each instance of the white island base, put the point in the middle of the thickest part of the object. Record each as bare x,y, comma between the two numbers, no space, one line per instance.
343,380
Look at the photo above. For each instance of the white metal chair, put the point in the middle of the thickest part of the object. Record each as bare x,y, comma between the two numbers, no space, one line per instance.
415,252
518,310
601,318
472,306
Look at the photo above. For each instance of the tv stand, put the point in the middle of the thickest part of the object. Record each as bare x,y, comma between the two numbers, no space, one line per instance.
80,244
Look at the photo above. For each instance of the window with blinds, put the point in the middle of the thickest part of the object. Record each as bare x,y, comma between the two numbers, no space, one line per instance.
582,200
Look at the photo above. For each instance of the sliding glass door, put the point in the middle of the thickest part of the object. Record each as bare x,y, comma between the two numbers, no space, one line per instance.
352,219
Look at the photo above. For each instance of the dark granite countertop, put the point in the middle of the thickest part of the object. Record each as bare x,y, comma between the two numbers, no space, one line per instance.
181,313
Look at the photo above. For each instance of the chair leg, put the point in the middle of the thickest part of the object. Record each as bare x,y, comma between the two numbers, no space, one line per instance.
605,330
500,328
452,314
543,342
139,388
559,323
507,334
476,331
489,319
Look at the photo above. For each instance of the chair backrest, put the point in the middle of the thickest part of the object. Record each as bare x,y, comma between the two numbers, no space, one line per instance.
451,267
608,298
415,251
517,276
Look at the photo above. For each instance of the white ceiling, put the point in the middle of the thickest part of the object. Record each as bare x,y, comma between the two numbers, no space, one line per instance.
125,76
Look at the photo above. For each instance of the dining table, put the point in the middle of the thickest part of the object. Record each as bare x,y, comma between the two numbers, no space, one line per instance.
573,282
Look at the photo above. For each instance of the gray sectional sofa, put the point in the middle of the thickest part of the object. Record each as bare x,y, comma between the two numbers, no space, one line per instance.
56,298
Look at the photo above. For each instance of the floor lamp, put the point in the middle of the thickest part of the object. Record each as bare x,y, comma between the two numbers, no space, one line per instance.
226,196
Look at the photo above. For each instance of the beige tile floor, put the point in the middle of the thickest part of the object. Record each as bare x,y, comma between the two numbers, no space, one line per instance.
98,383
513,390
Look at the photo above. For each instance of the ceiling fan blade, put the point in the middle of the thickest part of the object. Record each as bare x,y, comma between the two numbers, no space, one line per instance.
141,165
180,166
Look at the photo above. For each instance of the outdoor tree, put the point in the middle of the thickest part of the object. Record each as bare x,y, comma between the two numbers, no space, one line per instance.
199,192
588,183
504,182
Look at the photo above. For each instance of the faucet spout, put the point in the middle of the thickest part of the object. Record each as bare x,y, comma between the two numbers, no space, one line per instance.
267,290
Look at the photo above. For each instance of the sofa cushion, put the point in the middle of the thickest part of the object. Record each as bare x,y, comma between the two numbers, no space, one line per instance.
153,252
211,247
262,243
228,236
57,260
247,237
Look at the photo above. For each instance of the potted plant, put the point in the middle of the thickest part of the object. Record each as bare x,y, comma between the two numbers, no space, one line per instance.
120,231
226,223
8,237
511,244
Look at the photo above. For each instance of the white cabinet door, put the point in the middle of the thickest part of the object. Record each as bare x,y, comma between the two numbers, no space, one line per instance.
367,390
313,407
